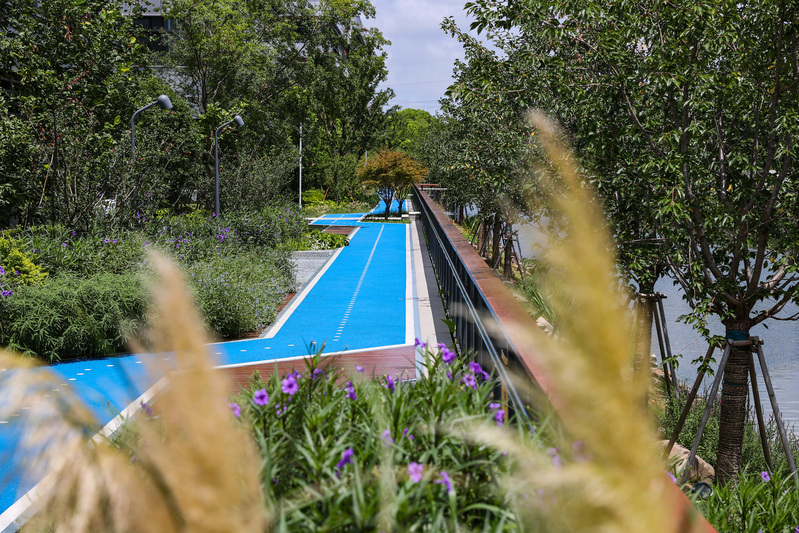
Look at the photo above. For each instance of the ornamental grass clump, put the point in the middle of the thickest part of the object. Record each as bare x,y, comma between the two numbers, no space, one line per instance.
186,466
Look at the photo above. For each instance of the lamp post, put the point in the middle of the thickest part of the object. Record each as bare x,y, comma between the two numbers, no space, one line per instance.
162,101
239,123
300,165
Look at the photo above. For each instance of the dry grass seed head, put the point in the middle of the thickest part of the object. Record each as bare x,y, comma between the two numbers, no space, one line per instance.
618,486
191,468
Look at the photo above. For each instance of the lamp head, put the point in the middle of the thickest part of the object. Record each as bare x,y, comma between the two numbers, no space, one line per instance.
239,122
164,102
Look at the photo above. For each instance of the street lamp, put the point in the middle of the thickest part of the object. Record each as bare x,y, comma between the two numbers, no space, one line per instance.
162,101
239,123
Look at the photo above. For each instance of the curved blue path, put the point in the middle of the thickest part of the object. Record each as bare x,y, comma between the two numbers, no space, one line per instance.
359,302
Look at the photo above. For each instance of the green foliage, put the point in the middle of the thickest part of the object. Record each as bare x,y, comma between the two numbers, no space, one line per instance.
313,197
240,294
71,317
59,250
754,504
405,130
752,450
340,178
386,425
239,264
392,173
684,117
17,267
315,239
327,207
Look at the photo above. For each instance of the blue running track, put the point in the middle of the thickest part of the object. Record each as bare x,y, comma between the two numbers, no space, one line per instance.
358,302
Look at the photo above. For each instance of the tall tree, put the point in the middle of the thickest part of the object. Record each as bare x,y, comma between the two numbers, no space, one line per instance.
73,73
287,63
685,115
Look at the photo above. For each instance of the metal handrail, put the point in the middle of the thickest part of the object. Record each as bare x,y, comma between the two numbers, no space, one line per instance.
474,317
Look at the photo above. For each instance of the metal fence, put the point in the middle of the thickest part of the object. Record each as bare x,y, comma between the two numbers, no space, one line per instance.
478,331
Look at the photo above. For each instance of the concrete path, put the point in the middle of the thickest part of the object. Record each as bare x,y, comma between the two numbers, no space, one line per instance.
373,293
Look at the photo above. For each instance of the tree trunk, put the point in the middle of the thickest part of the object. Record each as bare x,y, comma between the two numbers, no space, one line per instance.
644,311
486,232
497,232
734,391
508,271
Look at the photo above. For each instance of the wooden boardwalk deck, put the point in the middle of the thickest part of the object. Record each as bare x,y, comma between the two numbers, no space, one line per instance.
340,230
396,361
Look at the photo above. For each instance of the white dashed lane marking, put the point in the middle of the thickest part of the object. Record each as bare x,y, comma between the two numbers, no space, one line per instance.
357,288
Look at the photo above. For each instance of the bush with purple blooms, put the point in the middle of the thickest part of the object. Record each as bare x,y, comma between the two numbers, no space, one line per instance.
332,443
237,265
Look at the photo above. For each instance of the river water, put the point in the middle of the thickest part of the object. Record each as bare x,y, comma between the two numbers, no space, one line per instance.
781,341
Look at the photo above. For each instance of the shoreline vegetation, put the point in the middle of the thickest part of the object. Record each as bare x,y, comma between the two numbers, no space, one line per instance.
760,500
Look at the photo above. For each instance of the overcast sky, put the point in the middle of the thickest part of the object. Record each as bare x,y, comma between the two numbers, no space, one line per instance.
421,55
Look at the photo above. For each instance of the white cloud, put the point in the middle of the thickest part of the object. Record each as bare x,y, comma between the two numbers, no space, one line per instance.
421,55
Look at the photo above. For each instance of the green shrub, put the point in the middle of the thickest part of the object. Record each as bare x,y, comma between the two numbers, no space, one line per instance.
760,501
190,238
240,294
16,267
313,197
71,317
317,240
336,455
59,250
753,458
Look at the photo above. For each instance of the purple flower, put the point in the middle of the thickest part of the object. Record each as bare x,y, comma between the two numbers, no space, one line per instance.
290,386
765,475
447,355
235,408
420,344
405,432
449,375
444,480
553,453
114,241
499,417
294,374
359,369
351,391
2,271
494,405
63,245
346,458
415,472
317,372
478,371
107,240
387,437
261,397
469,381
389,383
146,408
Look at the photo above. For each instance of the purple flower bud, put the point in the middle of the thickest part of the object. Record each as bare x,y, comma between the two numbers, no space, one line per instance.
444,480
